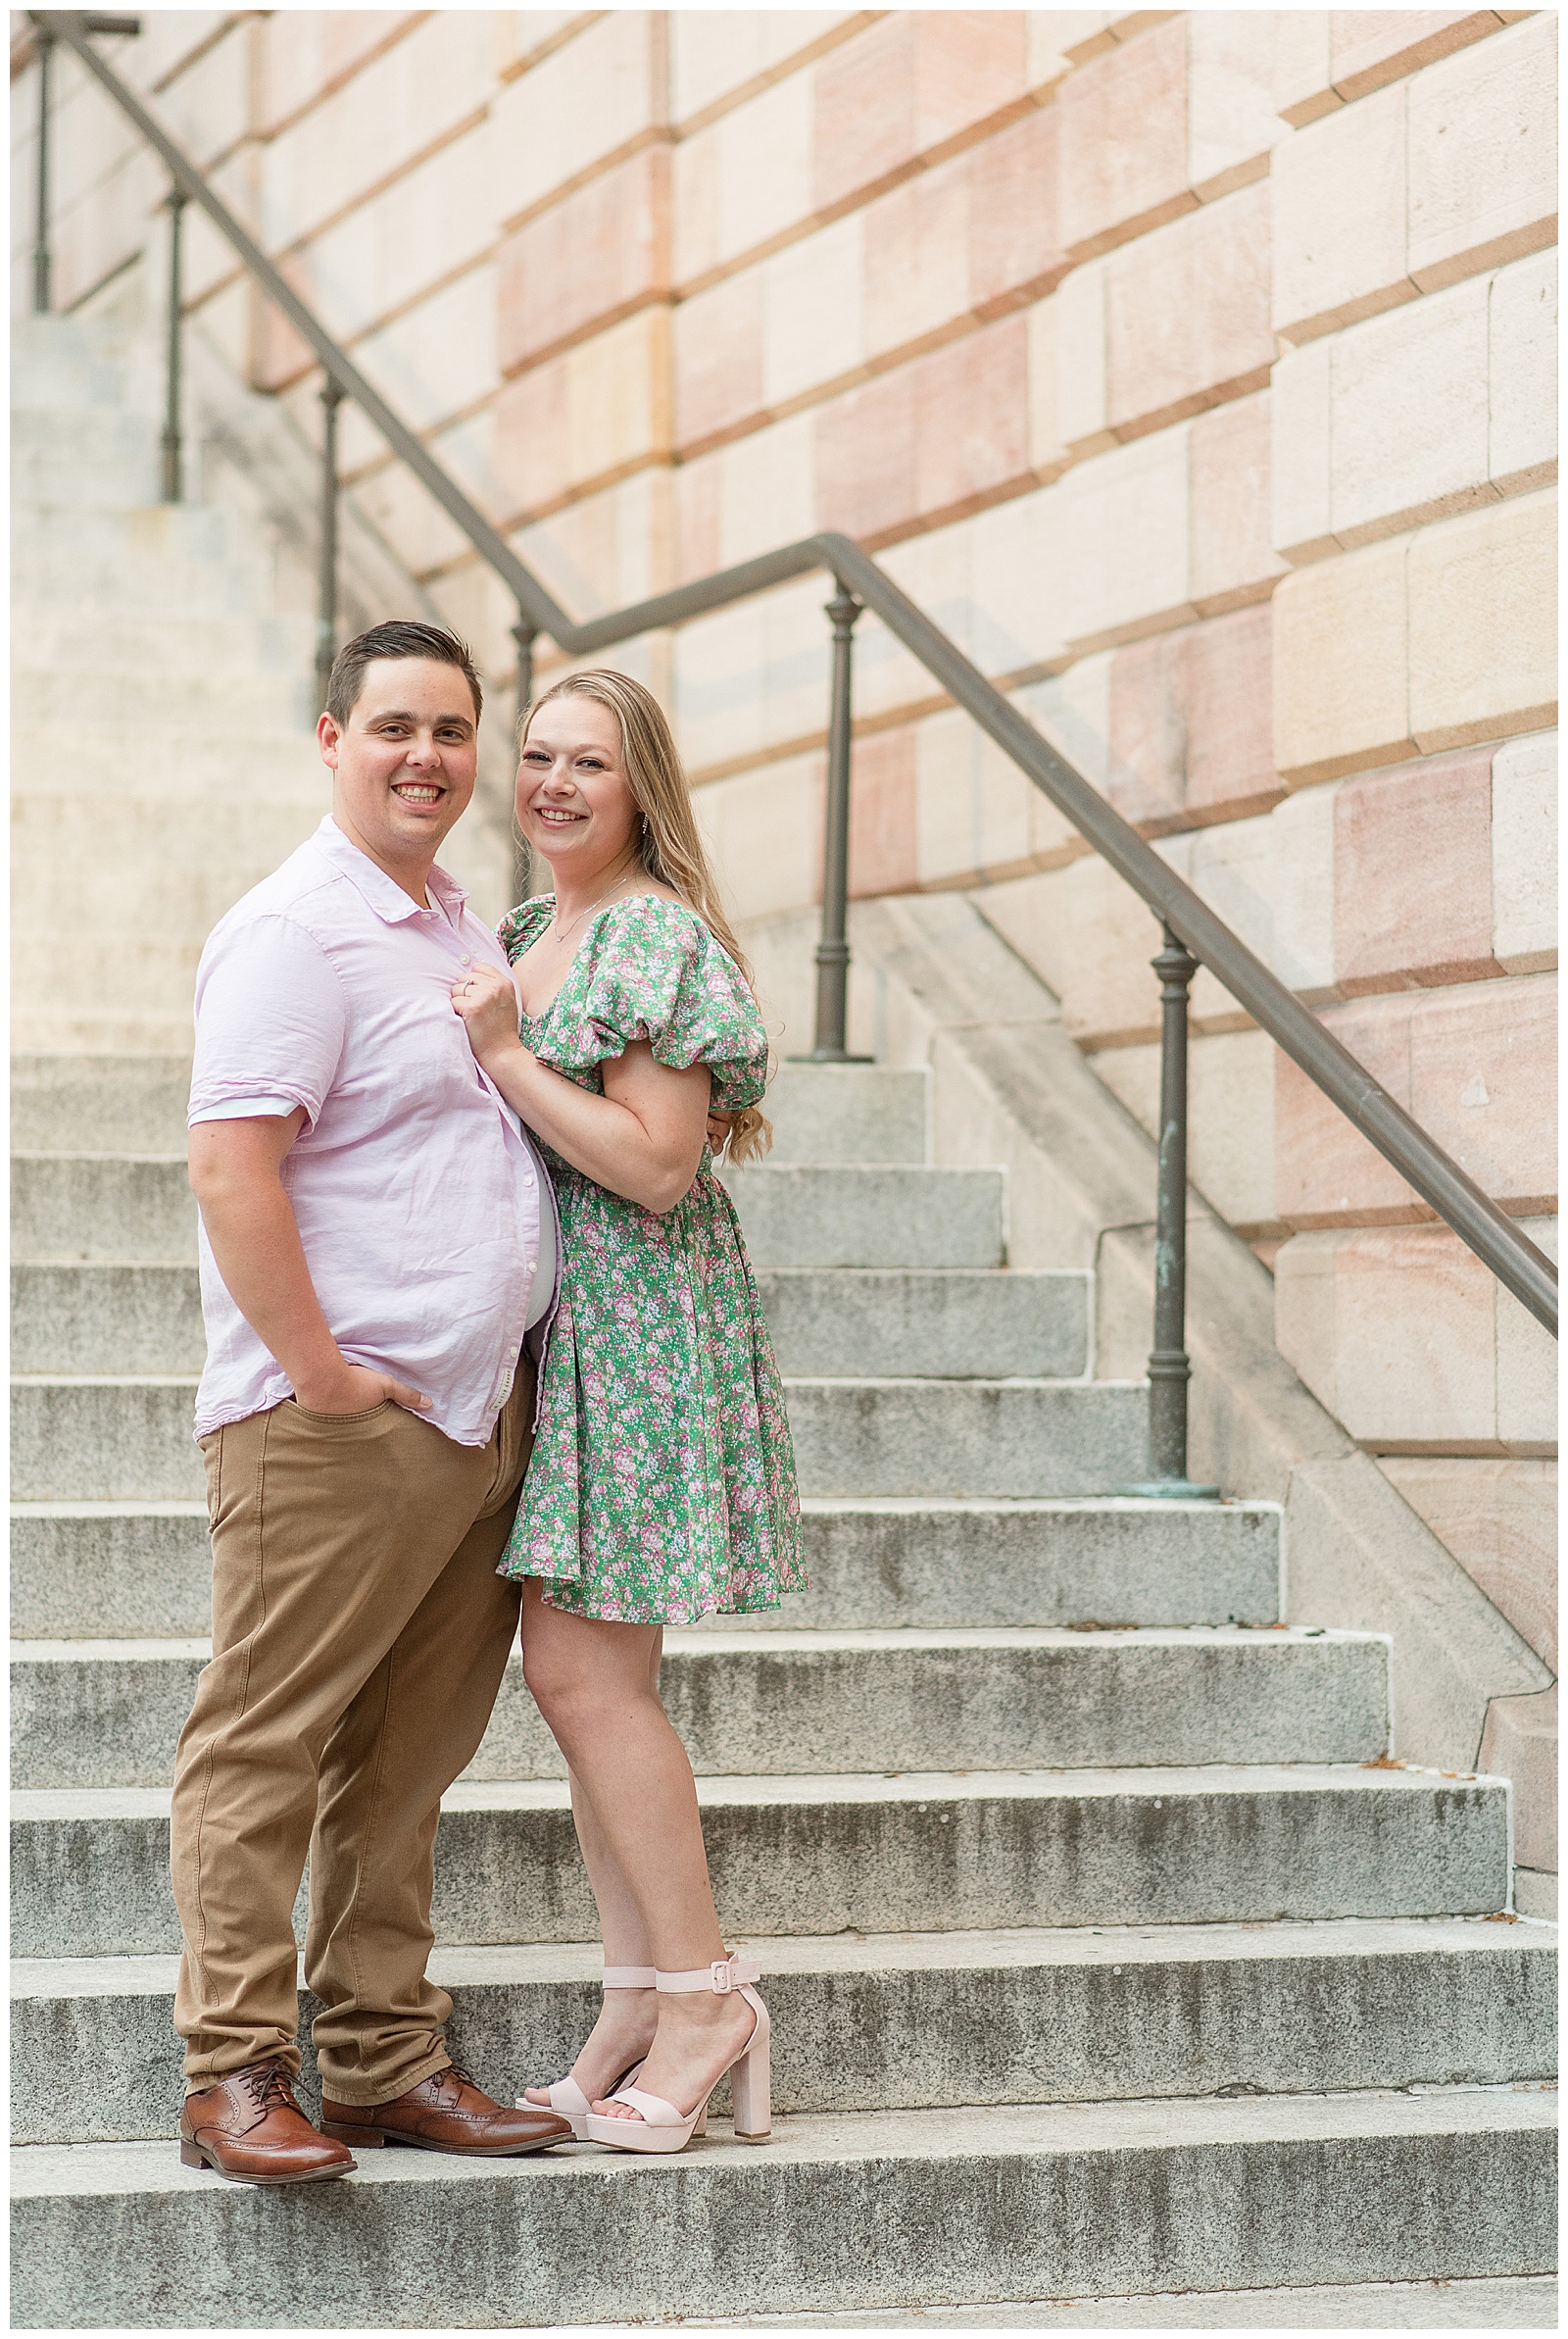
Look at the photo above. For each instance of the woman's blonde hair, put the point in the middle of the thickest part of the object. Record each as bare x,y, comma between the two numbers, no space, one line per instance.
671,844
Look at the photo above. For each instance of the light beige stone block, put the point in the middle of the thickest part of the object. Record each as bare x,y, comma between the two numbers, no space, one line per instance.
1082,403
1341,646
765,831
300,51
1373,46
207,107
974,806
435,359
1483,623
607,550
1126,544
1055,40
1409,415
1483,154
754,675
716,51
1230,1143
814,310
1522,373
743,179
618,395
1527,1363
414,233
1483,1083
1394,1329
1018,591
584,100
765,490
1048,449
1090,940
1304,69
1073,712
1340,219
1300,404
1271,880
1500,1521
1524,853
1231,116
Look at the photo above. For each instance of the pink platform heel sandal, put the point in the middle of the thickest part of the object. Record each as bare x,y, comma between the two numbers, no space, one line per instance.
564,2095
663,2127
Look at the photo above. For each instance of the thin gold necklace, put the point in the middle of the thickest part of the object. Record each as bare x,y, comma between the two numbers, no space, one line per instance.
582,914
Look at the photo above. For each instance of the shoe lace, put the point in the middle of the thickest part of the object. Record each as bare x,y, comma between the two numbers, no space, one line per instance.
268,2087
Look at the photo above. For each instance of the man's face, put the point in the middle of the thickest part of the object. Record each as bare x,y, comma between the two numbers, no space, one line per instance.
403,762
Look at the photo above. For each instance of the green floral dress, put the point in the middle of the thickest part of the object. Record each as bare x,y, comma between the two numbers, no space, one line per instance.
662,1486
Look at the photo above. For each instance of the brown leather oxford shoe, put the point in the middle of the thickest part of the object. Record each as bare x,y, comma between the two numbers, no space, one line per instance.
446,2112
251,2130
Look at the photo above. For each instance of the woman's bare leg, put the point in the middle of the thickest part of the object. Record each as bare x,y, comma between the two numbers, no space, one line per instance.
596,1685
624,2030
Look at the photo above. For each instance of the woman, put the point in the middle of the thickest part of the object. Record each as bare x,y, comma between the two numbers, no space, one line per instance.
661,1487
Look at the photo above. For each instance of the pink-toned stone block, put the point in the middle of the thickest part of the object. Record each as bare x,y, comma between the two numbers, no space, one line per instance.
698,491
1483,1083
1500,1521
972,415
1231,454
917,256
1190,728
883,856
1188,314
717,344
1372,46
1326,1172
863,109
866,464
531,436
1015,227
968,63
1413,875
588,257
1124,141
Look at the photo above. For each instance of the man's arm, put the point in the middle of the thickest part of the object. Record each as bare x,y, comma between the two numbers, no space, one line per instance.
255,1239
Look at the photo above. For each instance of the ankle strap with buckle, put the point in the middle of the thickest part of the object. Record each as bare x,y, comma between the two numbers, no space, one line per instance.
627,1978
721,1977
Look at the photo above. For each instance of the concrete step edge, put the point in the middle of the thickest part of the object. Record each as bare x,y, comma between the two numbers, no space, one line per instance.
518,1796
1006,2132
690,1641
1019,1948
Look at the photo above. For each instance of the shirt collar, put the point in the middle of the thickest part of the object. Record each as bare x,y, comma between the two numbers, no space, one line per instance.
384,894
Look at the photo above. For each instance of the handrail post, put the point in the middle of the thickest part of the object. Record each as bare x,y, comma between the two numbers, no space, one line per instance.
41,265
172,398
524,634
1168,1367
327,591
833,950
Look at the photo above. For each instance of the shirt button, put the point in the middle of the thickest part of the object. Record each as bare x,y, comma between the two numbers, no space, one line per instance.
466,959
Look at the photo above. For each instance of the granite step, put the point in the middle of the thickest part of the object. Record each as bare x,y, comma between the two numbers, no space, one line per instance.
91,1714
857,1215
909,2020
107,1437
865,2209
924,1852
118,1570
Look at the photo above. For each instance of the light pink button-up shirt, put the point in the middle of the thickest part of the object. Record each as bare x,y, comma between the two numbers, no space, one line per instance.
418,1195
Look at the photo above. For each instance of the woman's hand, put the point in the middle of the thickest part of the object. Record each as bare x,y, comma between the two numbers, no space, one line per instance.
487,1001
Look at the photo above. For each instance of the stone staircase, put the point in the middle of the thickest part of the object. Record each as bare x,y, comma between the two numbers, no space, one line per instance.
1107,1953
1110,1951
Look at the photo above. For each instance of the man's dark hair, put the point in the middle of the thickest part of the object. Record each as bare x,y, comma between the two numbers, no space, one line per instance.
399,637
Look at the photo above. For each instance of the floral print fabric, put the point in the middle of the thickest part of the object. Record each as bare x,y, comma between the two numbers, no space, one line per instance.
662,1486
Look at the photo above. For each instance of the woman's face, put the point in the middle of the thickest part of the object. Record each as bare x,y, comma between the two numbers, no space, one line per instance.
574,803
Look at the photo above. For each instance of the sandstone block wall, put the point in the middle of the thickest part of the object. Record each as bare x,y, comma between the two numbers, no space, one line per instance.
1193,369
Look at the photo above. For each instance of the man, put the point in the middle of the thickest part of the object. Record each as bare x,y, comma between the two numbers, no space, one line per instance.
377,1240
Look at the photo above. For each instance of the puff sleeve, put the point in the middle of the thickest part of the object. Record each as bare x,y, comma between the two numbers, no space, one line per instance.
657,973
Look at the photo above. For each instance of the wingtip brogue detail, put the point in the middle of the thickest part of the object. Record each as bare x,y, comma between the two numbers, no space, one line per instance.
248,2127
447,2113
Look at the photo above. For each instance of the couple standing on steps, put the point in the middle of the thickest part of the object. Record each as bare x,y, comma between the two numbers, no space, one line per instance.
482,1341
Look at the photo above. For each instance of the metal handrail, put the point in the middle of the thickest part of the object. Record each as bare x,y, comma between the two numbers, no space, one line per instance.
1517,1263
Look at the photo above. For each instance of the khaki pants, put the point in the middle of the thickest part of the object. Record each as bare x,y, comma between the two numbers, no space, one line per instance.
359,1636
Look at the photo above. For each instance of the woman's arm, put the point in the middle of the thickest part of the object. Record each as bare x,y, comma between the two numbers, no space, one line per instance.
643,1139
